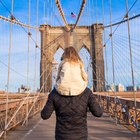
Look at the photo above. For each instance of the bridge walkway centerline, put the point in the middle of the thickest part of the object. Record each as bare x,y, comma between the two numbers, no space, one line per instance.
103,128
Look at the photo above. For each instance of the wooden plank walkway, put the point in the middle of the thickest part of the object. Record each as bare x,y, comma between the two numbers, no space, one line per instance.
102,128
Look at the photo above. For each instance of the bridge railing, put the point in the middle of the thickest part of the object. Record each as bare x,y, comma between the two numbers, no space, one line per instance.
122,110
17,110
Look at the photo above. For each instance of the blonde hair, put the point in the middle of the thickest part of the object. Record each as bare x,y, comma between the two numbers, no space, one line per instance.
71,55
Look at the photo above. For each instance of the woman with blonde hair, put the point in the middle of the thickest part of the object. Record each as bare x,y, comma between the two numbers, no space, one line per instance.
71,99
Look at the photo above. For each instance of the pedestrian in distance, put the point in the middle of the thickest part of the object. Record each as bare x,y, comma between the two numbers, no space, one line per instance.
71,99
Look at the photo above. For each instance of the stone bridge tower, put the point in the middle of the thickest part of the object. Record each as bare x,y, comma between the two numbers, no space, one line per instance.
52,38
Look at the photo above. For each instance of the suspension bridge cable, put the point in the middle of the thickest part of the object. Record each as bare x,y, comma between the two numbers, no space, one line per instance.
80,12
122,21
12,18
129,36
35,52
125,37
63,17
23,76
53,15
125,16
35,47
121,63
112,46
29,34
105,81
104,38
118,55
19,107
38,94
134,50
5,6
44,11
124,53
28,59
103,78
51,12
26,118
134,47
54,41
15,21
8,75
62,13
96,11
107,41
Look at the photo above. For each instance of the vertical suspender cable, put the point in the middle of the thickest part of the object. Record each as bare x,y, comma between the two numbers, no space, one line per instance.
112,46
8,77
44,11
29,34
90,33
96,12
89,12
51,11
36,52
130,49
47,12
93,9
52,14
104,42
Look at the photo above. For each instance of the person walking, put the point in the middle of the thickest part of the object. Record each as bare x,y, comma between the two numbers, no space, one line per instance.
71,99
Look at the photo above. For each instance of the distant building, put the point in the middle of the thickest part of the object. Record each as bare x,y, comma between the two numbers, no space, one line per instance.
138,88
131,88
23,89
120,87
110,88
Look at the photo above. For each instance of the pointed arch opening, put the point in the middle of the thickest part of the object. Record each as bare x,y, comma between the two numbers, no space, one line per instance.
56,61
86,58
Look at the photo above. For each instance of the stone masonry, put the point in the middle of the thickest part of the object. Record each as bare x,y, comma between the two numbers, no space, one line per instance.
53,38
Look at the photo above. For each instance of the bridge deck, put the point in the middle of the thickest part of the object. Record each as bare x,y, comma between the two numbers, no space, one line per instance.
102,128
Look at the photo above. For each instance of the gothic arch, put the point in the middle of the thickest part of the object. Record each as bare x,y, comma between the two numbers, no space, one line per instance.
87,48
80,38
57,47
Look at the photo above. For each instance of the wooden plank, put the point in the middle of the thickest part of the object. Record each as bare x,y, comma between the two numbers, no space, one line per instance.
103,128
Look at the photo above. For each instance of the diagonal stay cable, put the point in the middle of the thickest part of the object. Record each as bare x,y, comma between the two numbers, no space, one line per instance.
125,16
19,107
13,19
14,70
5,6
28,33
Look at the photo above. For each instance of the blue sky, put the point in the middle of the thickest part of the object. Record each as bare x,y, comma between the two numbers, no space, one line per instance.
48,8
48,14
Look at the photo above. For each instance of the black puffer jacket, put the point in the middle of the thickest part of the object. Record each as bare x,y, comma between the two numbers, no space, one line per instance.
71,114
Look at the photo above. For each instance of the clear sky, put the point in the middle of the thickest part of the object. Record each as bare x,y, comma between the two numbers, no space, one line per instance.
48,14
47,8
